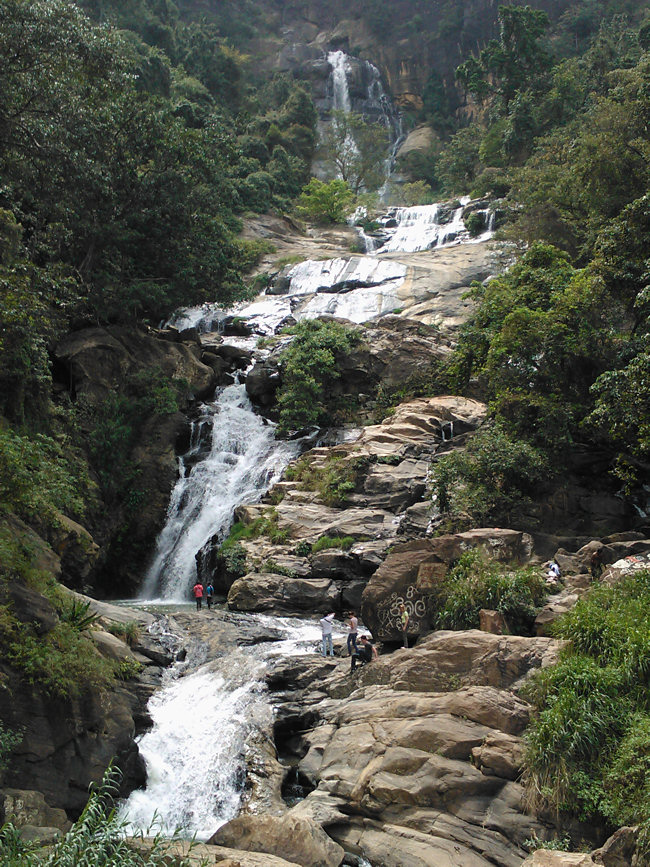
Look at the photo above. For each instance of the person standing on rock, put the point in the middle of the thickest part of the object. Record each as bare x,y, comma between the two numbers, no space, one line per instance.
364,654
353,625
404,623
326,628
197,590
209,593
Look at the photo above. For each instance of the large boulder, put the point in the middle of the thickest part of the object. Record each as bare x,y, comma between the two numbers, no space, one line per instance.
100,360
413,569
296,839
265,591
24,807
446,658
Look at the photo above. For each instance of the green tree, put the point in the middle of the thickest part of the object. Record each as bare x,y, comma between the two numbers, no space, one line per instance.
492,481
309,368
356,150
329,202
514,62
459,164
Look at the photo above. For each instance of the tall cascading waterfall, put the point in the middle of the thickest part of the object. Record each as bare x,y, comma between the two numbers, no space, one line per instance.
339,78
205,712
369,98
233,458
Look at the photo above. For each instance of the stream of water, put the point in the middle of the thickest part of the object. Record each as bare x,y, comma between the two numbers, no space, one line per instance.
202,718
206,711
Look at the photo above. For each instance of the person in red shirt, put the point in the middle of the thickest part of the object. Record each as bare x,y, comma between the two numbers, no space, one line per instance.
197,590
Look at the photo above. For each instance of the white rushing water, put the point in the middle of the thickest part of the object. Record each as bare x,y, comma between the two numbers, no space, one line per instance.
338,60
195,750
242,460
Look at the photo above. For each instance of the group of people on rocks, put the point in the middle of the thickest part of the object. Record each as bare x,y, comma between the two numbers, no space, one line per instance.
360,649
199,593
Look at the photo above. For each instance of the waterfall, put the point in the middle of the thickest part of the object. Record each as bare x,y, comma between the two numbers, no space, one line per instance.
410,230
195,750
375,105
340,91
242,460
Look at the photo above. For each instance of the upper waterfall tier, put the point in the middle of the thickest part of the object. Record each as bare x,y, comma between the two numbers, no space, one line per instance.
233,458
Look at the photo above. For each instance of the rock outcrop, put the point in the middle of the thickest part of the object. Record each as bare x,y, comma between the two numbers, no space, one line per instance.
297,839
414,760
411,571
67,741
389,463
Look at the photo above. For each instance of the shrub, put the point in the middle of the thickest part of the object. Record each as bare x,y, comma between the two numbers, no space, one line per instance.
627,779
334,481
129,632
324,542
37,479
475,224
99,838
8,740
329,202
474,583
492,480
584,714
588,746
78,615
278,569
309,369
63,663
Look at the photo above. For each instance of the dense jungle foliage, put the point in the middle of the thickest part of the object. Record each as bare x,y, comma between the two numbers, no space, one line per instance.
133,139
130,145
560,343
588,748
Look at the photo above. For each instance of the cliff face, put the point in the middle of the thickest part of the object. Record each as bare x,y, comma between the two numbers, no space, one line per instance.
413,43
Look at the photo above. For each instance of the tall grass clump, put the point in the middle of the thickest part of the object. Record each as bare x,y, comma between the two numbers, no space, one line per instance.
588,745
99,838
334,481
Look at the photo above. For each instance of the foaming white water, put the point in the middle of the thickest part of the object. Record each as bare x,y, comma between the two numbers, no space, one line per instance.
194,752
242,461
340,91
419,228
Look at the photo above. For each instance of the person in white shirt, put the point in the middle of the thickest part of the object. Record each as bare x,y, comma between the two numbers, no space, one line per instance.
326,628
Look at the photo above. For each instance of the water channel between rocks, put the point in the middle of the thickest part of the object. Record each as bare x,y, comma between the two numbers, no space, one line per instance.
207,709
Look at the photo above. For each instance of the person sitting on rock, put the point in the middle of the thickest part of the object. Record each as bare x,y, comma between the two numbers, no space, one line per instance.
366,652
197,590
553,574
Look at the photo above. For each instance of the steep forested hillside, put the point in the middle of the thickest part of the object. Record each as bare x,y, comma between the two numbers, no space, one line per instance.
136,138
